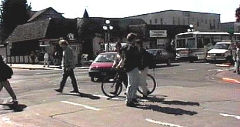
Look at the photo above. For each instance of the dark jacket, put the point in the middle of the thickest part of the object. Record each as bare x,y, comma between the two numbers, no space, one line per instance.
5,71
132,57
143,59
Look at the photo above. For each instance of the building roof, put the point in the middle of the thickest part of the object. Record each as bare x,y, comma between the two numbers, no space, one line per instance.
48,28
169,11
38,13
29,31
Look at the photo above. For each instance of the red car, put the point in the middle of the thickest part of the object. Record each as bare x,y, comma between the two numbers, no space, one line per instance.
102,66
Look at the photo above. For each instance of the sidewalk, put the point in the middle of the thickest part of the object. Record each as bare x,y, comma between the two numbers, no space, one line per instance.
38,67
229,76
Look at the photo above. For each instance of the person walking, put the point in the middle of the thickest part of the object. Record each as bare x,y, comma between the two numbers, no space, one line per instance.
46,59
5,74
68,65
143,67
130,62
237,60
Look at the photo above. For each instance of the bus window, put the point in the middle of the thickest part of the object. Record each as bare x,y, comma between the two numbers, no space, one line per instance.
181,43
206,41
191,43
200,43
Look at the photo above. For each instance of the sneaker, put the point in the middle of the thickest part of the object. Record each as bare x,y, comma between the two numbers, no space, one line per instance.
135,100
144,97
58,90
15,102
74,91
131,104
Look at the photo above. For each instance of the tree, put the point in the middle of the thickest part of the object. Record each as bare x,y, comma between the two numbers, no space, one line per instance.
237,14
13,13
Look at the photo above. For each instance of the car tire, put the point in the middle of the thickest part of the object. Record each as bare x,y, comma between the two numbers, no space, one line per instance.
92,79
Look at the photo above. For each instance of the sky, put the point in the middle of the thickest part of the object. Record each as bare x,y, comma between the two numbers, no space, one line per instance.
125,8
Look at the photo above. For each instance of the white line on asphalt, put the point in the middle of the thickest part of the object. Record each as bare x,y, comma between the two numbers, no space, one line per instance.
228,115
162,123
8,121
102,96
218,70
191,69
85,106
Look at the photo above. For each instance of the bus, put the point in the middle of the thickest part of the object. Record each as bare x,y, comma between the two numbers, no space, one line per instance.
194,45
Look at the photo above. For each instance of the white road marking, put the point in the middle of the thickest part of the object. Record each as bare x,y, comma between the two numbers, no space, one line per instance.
85,106
228,115
218,70
6,120
191,69
162,123
102,96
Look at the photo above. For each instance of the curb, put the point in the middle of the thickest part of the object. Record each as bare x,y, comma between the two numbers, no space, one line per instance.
231,80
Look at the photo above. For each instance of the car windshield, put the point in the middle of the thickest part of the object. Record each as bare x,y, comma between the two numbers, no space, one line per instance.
221,46
154,52
105,58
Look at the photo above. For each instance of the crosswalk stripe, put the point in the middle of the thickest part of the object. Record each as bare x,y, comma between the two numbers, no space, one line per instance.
85,106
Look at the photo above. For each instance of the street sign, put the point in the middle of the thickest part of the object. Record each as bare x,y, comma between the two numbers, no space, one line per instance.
158,33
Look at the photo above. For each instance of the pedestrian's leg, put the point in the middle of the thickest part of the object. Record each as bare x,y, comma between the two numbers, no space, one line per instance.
143,81
74,81
237,67
133,80
64,79
9,89
1,86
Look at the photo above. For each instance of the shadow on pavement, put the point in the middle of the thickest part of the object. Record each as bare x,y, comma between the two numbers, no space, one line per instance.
168,110
164,65
174,102
15,108
90,96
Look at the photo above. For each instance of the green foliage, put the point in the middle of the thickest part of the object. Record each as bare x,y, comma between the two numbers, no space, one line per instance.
13,13
237,14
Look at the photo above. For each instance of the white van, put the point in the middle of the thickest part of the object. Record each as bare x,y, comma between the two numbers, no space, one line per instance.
220,52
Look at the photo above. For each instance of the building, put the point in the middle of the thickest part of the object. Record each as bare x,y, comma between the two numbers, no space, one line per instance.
200,21
41,34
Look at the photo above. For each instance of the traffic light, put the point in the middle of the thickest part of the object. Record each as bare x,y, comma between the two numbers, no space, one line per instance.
237,14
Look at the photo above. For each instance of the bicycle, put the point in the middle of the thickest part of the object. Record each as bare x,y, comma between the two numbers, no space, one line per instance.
113,87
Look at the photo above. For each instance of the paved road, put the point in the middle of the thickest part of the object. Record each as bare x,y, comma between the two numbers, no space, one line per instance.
188,95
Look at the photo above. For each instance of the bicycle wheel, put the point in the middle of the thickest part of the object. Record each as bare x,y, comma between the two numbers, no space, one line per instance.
151,84
112,88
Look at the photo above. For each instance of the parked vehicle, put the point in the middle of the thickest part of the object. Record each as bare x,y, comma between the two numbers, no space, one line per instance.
102,66
220,52
162,56
190,45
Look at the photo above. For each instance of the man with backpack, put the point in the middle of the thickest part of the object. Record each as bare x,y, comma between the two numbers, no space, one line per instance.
5,74
130,60
145,62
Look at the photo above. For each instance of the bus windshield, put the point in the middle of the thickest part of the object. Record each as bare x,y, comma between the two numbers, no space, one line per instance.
191,43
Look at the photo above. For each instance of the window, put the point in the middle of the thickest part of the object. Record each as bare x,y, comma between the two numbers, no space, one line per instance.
191,43
200,43
181,43
155,21
178,21
161,21
150,22
173,21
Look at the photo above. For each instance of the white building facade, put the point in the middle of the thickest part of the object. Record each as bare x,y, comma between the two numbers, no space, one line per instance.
200,21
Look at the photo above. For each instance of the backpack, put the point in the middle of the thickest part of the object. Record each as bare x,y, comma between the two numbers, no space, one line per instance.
6,71
149,60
